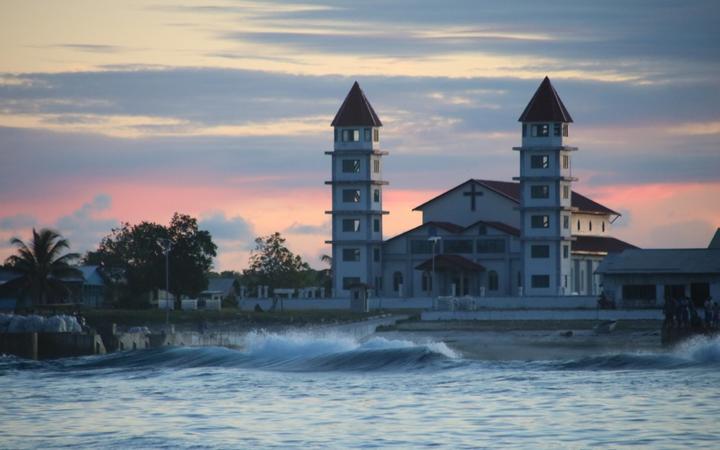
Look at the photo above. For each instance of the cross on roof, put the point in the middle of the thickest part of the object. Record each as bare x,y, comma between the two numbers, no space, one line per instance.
472,194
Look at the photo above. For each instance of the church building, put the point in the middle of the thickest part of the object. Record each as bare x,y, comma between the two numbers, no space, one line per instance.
533,236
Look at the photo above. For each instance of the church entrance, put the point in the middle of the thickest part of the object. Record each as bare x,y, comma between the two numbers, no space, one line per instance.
455,275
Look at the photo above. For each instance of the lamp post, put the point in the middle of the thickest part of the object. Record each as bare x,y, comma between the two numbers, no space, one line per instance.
434,240
166,245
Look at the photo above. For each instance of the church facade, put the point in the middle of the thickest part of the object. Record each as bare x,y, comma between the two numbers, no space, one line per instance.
532,236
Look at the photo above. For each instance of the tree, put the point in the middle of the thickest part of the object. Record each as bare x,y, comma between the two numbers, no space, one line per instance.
273,264
42,264
134,253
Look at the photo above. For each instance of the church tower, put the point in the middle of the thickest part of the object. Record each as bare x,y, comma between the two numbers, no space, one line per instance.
545,194
356,195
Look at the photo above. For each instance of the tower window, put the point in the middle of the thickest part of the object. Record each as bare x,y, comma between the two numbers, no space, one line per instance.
539,161
565,129
578,225
376,225
540,281
540,191
540,130
590,225
350,135
603,226
566,161
566,252
351,254
539,251
524,130
376,195
556,129
540,221
376,254
351,225
337,134
351,166
566,191
376,135
376,166
351,195
566,222
367,136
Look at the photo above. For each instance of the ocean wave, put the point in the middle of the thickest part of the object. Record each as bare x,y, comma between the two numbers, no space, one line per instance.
696,352
281,352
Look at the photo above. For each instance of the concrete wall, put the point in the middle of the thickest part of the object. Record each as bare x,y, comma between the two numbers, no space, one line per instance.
546,314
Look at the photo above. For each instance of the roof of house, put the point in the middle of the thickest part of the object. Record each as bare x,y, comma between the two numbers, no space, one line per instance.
599,244
91,275
511,190
457,229
545,106
715,242
662,261
356,111
224,285
7,276
443,262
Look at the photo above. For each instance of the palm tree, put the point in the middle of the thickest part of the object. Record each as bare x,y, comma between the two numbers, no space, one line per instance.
42,265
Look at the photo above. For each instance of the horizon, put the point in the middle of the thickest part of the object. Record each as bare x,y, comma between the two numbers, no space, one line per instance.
114,113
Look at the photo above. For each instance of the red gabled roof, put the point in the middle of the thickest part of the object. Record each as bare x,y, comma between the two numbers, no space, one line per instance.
450,262
545,106
356,111
511,190
500,226
447,226
600,244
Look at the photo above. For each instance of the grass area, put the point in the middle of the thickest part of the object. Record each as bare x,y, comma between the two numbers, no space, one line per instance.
226,317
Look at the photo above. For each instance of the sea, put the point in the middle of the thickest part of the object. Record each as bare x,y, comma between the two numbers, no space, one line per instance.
299,390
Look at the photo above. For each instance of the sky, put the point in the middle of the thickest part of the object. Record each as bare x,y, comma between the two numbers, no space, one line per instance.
127,111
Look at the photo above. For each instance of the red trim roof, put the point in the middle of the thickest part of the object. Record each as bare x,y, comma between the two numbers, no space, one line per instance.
457,229
511,190
600,244
444,262
356,111
545,106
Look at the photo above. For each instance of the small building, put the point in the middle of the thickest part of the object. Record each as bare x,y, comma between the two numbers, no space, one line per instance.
10,289
87,288
649,277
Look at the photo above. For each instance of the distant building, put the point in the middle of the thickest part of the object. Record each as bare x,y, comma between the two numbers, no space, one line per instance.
535,236
88,288
649,277
10,289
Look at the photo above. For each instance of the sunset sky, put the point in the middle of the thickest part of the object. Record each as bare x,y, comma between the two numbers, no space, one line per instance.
125,111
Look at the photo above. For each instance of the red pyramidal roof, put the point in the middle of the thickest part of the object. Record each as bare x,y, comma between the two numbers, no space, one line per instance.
356,111
545,106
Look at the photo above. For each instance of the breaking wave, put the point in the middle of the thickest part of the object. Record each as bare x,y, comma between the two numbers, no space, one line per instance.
697,352
281,352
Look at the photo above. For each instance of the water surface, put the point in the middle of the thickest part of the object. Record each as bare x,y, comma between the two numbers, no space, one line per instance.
300,390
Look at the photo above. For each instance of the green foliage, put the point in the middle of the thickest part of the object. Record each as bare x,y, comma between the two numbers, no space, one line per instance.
133,256
273,264
42,265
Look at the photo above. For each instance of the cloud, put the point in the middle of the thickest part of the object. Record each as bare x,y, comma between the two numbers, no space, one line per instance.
85,226
17,222
223,228
299,228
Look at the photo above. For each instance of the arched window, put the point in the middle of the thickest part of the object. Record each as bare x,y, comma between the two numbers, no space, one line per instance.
397,281
493,281
426,282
